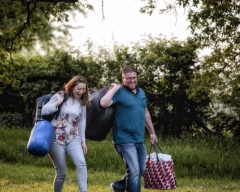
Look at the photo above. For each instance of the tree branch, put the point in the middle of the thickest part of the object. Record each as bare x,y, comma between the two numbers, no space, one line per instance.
51,1
103,16
21,29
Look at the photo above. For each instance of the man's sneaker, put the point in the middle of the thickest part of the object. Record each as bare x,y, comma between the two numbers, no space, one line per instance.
112,187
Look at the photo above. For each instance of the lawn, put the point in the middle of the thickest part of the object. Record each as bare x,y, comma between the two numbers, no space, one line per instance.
19,178
208,164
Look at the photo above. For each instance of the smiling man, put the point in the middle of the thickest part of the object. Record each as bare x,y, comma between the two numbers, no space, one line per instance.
130,116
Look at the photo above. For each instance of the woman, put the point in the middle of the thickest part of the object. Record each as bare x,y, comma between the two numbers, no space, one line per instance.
70,127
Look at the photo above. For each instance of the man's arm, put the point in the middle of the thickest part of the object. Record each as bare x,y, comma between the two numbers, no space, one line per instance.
106,100
150,127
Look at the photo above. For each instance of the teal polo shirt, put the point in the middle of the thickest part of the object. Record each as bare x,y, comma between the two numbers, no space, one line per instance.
129,116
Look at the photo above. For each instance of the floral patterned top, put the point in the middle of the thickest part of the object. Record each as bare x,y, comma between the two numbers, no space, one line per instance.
71,122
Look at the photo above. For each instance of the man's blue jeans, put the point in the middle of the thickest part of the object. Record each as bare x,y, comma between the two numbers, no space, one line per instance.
134,156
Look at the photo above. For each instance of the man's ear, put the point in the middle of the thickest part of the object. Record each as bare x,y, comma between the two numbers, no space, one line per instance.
119,78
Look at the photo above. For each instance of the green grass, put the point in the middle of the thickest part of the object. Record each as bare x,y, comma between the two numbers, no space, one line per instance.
202,164
19,178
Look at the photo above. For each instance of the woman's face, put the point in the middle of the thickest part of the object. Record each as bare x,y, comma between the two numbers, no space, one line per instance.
79,90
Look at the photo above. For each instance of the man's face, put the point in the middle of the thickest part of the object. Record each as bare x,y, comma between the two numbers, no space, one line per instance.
130,80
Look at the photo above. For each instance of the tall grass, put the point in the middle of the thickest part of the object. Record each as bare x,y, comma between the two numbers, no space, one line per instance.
193,156
212,157
202,164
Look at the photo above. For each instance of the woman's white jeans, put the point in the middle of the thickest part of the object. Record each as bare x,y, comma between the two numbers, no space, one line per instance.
74,150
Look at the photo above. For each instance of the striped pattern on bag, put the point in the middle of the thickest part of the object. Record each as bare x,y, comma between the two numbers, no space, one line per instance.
159,175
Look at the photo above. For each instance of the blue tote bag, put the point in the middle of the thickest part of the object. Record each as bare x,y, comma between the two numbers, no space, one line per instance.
40,139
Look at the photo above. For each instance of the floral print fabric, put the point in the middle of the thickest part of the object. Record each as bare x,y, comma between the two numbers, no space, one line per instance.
71,122
66,127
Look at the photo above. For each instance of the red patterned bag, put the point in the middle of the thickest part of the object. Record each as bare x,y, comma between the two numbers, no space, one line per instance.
159,173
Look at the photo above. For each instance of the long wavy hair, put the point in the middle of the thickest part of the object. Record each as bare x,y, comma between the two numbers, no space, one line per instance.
75,81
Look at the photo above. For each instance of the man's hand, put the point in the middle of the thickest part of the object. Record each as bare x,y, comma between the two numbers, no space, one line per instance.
150,127
115,86
106,100
153,138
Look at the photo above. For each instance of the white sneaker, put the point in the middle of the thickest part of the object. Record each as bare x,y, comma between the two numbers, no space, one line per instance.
112,187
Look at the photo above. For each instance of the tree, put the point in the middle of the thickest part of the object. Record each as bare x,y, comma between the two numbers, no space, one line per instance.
215,25
27,78
23,22
222,83
167,69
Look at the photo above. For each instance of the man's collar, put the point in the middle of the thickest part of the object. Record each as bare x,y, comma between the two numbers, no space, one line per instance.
130,90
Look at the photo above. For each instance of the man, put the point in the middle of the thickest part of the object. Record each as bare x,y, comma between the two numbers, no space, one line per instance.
130,116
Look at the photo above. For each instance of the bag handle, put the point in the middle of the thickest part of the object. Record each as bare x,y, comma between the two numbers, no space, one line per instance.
155,148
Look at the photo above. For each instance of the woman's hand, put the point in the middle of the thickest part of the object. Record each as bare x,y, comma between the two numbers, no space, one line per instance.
60,97
84,147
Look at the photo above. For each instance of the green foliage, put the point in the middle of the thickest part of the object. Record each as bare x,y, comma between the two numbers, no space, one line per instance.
226,77
22,23
9,119
26,79
215,25
218,21
225,123
222,82
166,71
179,90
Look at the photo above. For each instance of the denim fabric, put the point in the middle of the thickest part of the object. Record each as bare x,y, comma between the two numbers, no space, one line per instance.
74,150
134,156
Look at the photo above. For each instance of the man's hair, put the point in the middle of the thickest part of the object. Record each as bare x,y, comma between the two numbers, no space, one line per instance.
128,69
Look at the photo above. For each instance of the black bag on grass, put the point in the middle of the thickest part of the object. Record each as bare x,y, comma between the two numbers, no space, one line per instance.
99,120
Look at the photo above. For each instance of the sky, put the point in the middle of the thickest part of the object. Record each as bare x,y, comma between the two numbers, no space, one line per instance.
124,24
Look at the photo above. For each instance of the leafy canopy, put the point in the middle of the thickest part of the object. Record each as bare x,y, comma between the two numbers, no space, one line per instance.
23,22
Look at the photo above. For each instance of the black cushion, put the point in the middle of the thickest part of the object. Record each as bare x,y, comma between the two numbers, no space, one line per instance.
99,120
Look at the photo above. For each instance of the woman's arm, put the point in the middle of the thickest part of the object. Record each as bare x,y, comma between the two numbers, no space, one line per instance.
82,123
52,106
82,128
